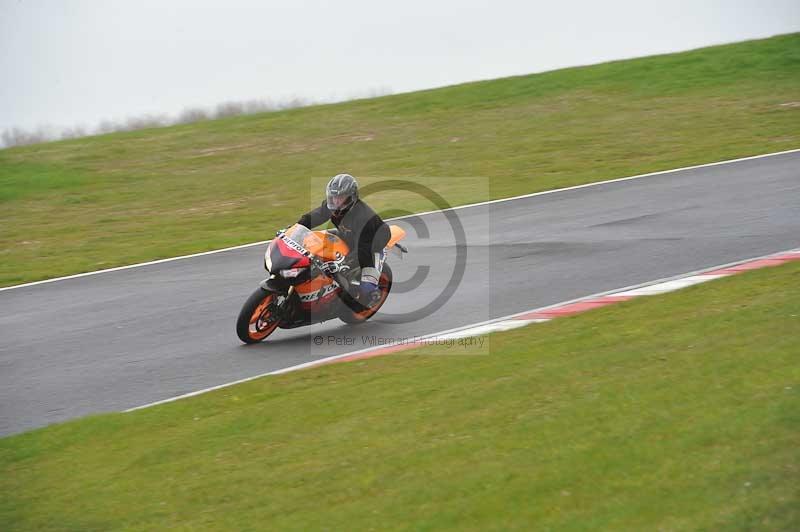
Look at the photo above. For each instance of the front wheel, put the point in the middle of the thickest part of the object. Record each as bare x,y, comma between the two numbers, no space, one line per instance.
354,312
257,319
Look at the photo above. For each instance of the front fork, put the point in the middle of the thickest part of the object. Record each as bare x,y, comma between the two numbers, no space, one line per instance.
281,306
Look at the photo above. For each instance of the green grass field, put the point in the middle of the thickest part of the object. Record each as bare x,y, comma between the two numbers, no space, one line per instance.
674,412
98,202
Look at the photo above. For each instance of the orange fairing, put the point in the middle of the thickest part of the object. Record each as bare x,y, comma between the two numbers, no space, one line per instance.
398,234
330,247
317,292
325,245
313,285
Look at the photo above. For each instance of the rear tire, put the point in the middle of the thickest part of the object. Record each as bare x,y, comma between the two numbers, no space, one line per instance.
354,312
253,324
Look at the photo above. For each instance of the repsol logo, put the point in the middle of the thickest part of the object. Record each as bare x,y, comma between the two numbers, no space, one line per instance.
294,245
316,294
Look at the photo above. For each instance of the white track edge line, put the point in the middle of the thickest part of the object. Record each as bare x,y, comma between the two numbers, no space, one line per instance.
605,182
321,361
129,266
469,205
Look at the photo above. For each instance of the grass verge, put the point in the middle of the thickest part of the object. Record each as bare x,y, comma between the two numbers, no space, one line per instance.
116,199
675,412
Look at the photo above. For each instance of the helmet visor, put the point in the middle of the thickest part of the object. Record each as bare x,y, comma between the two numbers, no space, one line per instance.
337,202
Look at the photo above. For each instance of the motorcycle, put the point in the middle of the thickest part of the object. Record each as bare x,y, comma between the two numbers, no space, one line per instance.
311,280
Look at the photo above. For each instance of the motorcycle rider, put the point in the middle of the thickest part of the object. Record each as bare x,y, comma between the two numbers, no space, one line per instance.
365,233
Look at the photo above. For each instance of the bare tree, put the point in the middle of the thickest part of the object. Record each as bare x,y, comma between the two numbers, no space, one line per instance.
73,133
16,136
192,114
108,126
146,122
227,109
252,107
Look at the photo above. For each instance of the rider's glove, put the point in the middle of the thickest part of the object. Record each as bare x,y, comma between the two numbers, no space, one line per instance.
329,267
368,291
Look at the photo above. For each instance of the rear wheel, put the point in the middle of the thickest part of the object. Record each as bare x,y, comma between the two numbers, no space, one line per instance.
355,312
257,320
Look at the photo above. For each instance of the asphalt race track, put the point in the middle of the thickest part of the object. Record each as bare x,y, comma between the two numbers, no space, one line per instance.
116,340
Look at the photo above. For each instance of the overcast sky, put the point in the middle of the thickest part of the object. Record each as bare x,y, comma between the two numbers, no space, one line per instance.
76,62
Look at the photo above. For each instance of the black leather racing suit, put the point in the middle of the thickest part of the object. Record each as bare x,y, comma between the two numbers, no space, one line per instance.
360,227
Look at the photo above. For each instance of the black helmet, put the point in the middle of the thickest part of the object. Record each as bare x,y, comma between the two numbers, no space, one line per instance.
341,193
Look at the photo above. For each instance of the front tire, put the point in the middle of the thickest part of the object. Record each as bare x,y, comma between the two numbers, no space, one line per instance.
256,320
355,312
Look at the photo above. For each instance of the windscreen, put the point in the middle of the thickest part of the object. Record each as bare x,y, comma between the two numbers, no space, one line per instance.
303,236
